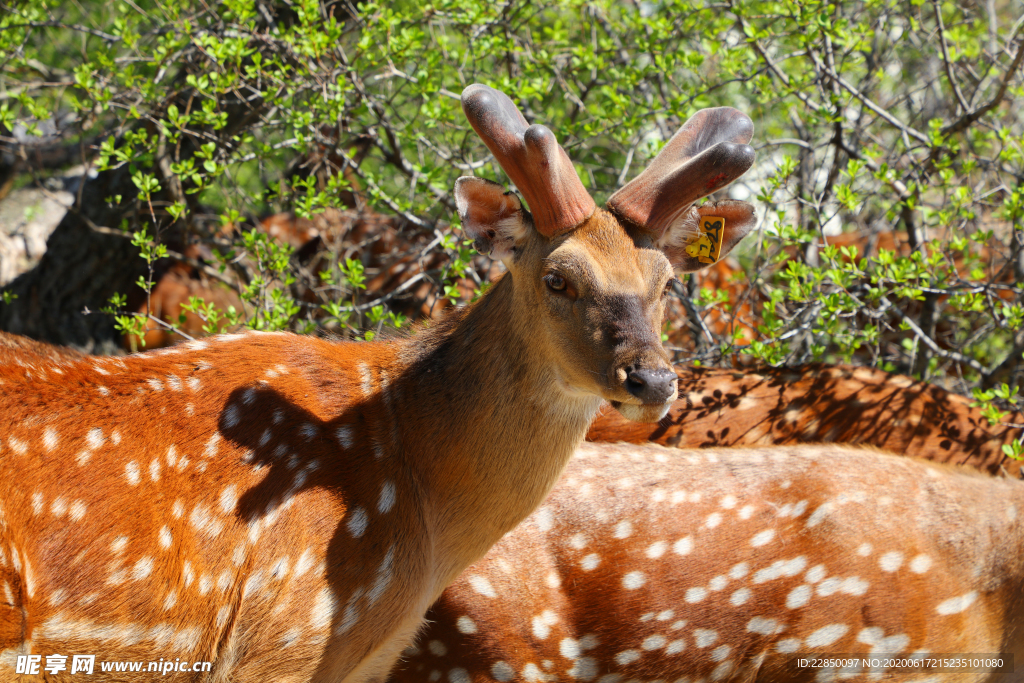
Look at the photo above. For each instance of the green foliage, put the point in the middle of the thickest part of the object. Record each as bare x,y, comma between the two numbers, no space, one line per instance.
883,117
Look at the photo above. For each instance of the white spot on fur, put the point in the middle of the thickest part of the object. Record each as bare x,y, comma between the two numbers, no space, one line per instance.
482,586
542,624
740,570
590,562
94,438
958,604
684,546
50,439
762,538
165,537
920,564
788,645
502,672
763,626
465,625
304,562
544,518
816,573
211,445
357,522
142,568
290,637
633,580
202,520
704,637
819,515
366,377
799,596
131,473
656,550
826,635
228,499
740,597
891,561
324,608
384,575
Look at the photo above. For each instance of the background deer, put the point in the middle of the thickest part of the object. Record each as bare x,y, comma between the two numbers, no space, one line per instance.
305,502
821,403
716,408
648,563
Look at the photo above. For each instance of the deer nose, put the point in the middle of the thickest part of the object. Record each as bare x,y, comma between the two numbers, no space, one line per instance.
651,385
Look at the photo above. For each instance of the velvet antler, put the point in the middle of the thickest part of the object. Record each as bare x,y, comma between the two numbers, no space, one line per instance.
707,153
532,158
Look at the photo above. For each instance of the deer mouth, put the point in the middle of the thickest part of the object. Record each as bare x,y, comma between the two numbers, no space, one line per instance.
642,412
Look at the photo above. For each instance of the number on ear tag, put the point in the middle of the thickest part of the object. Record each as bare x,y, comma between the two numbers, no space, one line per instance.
708,247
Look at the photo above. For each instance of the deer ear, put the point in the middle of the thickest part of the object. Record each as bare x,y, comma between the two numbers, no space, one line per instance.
705,234
492,218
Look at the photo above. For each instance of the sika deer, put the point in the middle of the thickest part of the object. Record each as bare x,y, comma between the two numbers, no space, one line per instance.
303,502
648,563
816,403
716,408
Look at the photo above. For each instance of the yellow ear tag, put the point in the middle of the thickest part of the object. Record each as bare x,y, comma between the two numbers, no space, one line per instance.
708,247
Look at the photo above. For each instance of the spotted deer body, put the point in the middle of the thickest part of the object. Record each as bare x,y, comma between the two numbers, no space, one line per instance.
648,563
302,503
822,403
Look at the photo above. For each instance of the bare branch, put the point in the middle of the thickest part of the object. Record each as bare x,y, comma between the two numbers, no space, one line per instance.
967,119
945,58
71,27
867,102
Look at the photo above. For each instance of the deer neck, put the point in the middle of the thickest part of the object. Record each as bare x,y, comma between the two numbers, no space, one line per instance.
486,425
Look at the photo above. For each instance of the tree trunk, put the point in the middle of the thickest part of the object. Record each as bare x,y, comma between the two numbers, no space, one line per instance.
80,271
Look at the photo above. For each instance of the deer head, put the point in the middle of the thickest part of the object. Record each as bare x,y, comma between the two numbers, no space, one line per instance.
600,276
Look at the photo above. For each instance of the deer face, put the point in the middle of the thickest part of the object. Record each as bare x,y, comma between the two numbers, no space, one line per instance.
590,283
598,297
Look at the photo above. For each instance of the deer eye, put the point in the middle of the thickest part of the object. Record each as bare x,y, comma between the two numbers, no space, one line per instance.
670,284
555,283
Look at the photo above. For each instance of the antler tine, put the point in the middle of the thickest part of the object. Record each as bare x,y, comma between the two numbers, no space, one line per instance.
707,153
532,158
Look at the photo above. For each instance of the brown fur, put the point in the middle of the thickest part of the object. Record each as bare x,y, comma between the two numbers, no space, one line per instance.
647,564
14,346
392,465
184,541
820,403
